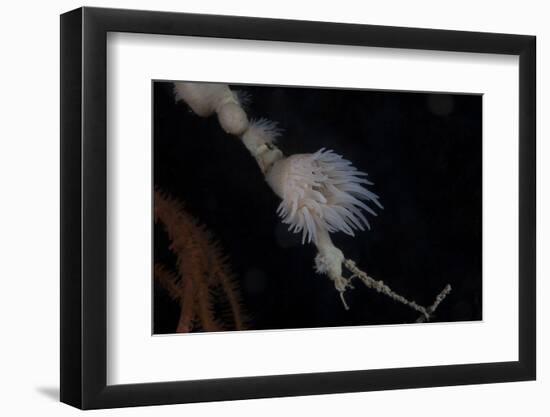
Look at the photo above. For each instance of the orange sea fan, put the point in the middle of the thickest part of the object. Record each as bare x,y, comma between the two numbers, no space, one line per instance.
202,284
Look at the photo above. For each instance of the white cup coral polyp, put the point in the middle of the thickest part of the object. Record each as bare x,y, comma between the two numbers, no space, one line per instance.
321,192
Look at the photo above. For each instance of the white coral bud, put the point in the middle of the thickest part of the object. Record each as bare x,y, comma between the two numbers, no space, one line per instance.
232,118
203,98
259,139
321,192
206,99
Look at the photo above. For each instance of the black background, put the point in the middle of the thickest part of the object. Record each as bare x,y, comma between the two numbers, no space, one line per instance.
424,153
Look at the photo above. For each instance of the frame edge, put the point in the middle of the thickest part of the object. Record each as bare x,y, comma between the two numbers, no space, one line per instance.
527,207
70,214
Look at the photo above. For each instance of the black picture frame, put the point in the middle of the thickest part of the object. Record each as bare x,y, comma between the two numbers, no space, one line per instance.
84,207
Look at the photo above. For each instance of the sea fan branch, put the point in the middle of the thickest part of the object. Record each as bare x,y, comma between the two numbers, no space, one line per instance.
200,268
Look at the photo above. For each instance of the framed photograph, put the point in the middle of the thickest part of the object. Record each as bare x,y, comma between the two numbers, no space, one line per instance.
258,208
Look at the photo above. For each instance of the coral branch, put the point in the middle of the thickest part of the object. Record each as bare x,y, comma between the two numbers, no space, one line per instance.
380,287
231,291
329,261
430,310
201,269
168,280
179,292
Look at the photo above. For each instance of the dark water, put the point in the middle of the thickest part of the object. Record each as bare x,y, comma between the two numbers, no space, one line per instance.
424,153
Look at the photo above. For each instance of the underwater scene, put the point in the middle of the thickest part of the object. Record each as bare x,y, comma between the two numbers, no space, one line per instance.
280,207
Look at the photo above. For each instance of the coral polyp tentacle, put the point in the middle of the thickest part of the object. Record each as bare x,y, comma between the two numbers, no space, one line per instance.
321,191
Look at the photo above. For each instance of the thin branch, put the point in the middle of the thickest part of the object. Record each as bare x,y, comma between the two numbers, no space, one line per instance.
430,310
380,287
168,280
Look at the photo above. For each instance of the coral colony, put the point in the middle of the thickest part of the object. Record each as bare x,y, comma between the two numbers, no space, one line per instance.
208,296
321,193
